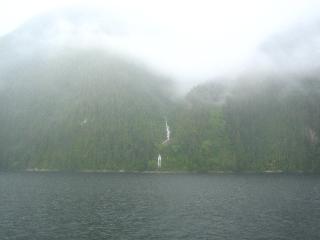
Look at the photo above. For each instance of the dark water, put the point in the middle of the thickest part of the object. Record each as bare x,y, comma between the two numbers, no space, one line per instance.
158,206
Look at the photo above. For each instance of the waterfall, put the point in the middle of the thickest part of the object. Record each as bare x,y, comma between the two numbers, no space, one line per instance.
159,161
168,133
164,142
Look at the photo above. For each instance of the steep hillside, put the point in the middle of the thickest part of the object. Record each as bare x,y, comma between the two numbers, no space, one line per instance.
82,109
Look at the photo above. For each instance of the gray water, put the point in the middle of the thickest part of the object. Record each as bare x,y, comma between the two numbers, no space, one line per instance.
158,206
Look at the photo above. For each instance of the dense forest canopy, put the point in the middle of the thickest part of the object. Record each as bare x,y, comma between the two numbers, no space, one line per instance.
90,110
82,110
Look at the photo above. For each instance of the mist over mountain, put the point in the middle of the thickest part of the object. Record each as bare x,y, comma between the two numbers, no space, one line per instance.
72,96
292,51
81,109
162,120
265,118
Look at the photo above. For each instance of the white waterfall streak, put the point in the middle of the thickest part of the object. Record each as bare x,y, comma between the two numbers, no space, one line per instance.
159,161
168,133
164,142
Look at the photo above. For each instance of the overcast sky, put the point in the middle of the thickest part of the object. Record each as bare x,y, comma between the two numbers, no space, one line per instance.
188,39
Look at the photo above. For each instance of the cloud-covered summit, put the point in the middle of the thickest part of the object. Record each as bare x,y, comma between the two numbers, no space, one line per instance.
192,49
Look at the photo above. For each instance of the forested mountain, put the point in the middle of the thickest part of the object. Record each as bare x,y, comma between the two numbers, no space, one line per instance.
274,124
199,133
73,105
90,110
81,110
259,124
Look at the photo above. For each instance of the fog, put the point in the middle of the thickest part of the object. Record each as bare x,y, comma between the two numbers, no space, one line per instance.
191,42
164,119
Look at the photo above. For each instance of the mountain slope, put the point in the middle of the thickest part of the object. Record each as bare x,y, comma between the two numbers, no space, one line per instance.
82,109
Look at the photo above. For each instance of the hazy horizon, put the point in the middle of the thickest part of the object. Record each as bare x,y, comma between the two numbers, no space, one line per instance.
191,43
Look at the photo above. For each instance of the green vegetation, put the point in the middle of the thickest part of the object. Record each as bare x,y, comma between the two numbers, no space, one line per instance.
199,134
274,124
87,110
81,111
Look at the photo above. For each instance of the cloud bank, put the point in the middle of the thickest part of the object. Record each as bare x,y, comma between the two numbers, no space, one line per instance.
191,41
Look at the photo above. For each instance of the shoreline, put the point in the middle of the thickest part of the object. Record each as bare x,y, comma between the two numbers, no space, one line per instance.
37,170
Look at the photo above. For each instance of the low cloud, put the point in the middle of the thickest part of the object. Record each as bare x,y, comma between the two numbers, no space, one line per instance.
191,43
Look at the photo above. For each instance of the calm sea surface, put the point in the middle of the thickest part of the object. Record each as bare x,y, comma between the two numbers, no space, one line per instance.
158,206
